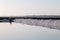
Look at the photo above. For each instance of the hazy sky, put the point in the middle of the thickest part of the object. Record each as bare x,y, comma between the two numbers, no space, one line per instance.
29,7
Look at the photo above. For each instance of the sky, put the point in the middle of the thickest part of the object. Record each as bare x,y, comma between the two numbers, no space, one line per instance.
29,7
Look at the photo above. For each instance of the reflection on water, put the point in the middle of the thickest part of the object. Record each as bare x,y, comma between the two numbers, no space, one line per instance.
19,31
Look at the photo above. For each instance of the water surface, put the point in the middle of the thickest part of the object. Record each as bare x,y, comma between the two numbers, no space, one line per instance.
17,31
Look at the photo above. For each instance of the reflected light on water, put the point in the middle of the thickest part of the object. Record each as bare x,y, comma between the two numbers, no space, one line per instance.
17,31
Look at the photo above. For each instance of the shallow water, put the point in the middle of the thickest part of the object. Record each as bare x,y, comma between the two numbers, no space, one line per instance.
17,31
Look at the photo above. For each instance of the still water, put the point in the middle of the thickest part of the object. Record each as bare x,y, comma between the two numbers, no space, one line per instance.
17,31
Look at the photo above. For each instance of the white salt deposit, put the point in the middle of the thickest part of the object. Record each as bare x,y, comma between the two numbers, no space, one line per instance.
53,24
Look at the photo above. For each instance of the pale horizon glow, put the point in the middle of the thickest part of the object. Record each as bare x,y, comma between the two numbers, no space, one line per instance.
29,7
